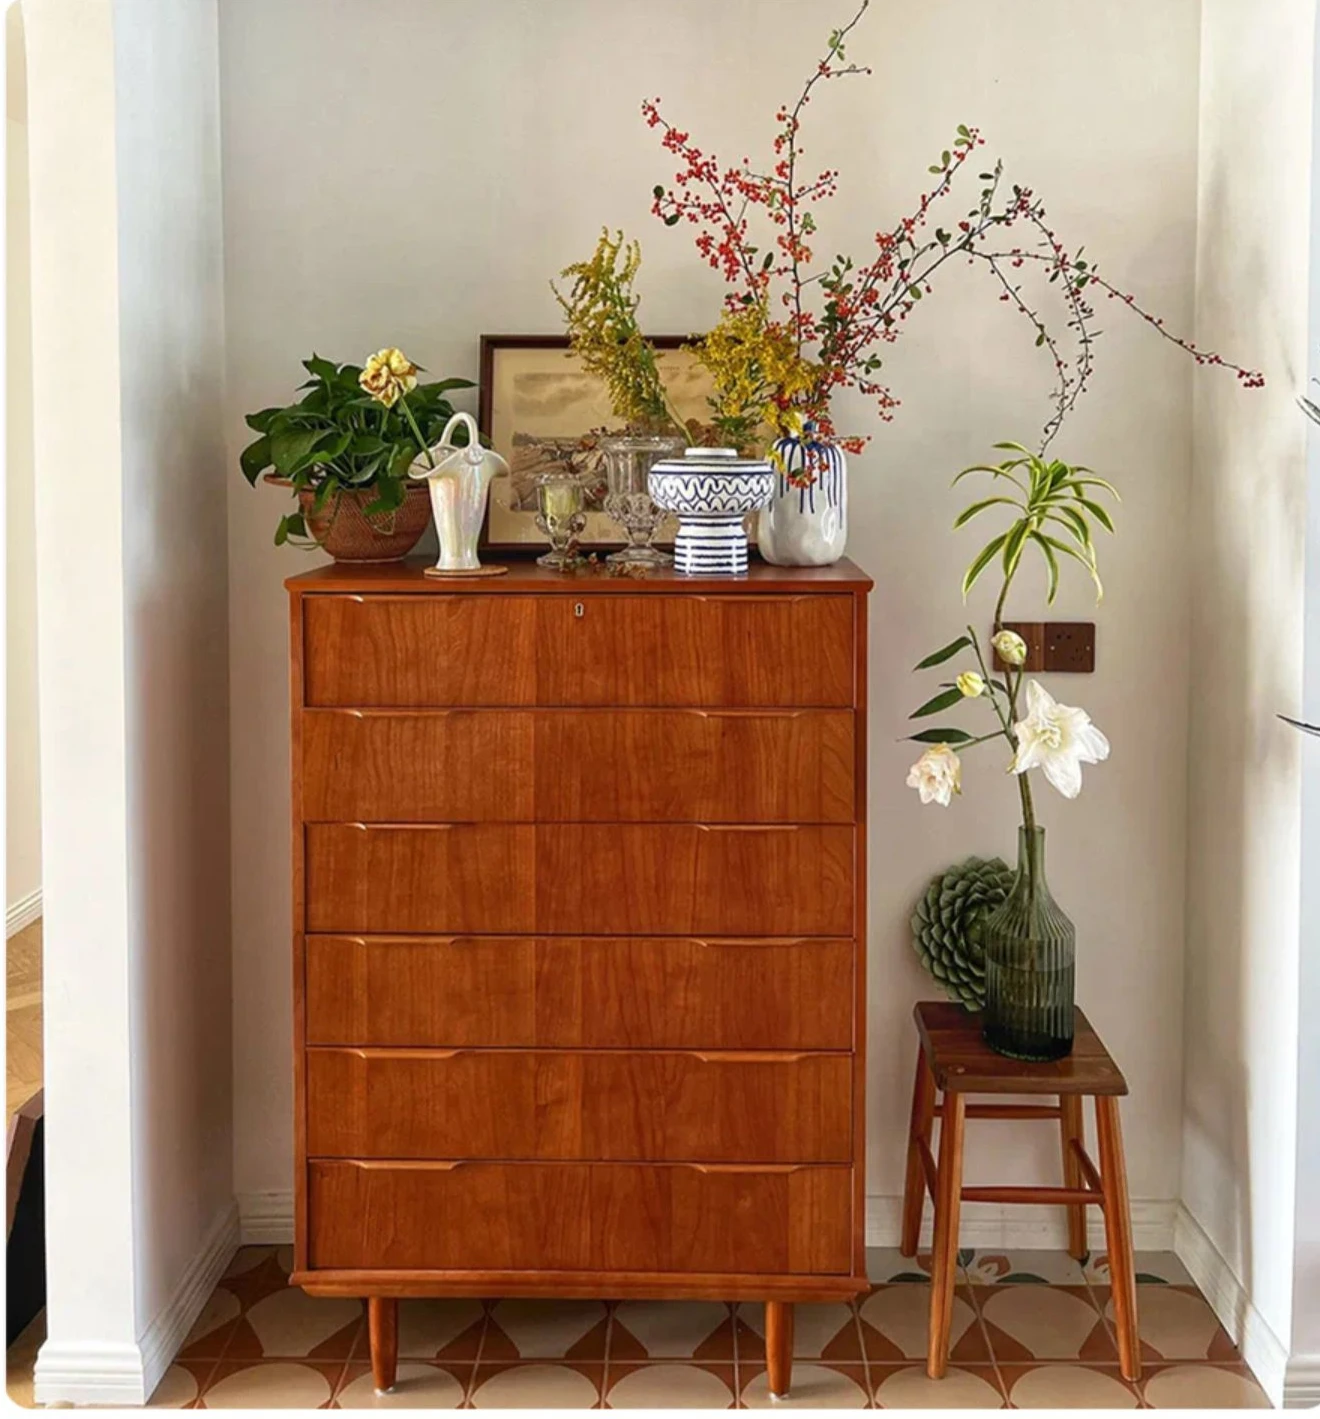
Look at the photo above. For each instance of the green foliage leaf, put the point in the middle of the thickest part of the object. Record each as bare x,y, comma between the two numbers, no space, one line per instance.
1052,564
291,449
983,559
255,459
946,699
262,421
941,736
945,653
967,514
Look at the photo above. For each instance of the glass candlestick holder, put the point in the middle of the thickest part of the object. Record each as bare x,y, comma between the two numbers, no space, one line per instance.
561,515
628,460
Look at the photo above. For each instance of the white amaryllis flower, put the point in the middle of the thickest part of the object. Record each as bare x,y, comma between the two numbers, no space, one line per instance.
937,775
971,684
1011,647
1057,739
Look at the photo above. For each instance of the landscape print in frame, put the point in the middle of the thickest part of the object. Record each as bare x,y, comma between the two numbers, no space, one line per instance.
540,409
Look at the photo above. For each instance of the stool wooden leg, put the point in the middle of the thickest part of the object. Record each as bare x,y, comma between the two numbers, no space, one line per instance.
948,1204
383,1335
1071,1127
779,1346
914,1190
1118,1235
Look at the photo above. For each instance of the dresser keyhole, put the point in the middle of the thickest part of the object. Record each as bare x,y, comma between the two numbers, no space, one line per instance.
579,610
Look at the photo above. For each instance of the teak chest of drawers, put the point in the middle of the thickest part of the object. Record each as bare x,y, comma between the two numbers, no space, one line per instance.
579,937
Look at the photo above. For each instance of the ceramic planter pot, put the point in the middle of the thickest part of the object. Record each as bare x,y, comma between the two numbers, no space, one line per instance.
711,490
342,527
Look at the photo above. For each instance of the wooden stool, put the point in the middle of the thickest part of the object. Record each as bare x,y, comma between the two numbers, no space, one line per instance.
953,1059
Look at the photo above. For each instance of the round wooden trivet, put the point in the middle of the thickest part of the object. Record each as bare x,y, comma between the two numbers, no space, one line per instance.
480,571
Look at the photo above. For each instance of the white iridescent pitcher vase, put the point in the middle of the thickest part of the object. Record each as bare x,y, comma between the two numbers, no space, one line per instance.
460,485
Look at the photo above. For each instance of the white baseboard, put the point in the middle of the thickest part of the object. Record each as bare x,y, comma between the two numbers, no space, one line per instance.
265,1218
1301,1383
1261,1348
70,1372
22,913
1011,1227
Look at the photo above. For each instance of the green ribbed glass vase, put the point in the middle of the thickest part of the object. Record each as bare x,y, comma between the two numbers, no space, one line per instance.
1030,950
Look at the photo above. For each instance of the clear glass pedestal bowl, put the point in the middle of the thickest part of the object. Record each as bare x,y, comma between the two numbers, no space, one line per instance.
628,462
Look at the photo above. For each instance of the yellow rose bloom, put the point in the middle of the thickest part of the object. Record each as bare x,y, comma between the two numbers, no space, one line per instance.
388,374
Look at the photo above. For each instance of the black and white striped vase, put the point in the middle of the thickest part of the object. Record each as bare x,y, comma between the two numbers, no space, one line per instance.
806,523
711,490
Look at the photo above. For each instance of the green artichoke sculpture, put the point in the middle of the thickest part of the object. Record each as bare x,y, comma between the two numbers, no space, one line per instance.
946,926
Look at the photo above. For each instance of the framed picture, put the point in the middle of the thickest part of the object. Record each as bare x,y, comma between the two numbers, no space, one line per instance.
540,408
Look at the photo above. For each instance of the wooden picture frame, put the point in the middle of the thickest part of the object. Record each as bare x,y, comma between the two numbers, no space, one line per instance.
522,382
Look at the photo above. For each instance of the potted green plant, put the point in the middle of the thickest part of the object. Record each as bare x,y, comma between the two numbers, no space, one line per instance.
344,449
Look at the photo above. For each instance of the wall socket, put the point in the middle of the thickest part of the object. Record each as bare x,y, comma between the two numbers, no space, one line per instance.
1056,646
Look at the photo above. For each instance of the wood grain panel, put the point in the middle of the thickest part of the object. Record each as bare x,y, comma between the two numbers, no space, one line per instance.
577,1216
465,877
588,878
392,766
696,650
592,1106
419,650
704,650
601,992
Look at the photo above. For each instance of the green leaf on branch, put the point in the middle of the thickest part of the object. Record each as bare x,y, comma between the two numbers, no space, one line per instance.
946,653
946,699
941,736
255,458
983,560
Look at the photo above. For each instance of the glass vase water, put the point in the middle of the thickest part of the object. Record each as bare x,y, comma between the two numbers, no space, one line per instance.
628,461
1030,954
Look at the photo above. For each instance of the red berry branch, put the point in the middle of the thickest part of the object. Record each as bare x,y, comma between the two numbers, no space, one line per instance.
860,307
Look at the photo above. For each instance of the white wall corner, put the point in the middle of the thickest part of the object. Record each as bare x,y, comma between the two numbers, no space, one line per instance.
1301,1383
265,1218
1012,1227
96,1373
22,913
1261,1348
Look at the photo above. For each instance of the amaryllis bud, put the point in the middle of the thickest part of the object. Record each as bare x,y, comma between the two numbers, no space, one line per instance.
1011,647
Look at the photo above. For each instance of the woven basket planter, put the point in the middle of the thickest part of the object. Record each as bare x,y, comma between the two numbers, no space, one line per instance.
342,527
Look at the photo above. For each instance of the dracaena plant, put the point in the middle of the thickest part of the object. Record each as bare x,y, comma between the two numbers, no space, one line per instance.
356,429
1057,505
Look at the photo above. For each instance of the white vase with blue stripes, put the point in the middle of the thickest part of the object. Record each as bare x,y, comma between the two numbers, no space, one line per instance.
711,490
806,523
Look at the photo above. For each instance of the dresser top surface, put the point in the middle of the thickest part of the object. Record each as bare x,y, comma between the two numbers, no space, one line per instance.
525,576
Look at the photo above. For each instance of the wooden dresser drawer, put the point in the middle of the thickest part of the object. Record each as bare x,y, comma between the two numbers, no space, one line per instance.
580,878
616,649
597,1217
746,766
595,992
589,1106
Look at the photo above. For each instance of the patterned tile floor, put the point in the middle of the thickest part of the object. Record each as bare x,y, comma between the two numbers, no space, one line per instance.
1032,1330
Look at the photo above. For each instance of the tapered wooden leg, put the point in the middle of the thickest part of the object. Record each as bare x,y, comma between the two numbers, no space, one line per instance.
948,1206
1118,1235
1070,1128
383,1332
914,1190
779,1346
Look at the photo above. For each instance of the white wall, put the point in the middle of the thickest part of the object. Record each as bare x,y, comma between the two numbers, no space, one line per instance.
22,785
431,172
1304,1363
128,375
171,336
1249,490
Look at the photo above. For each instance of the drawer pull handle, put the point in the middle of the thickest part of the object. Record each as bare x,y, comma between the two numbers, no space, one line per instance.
746,1057
747,714
755,1169
753,600
749,827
